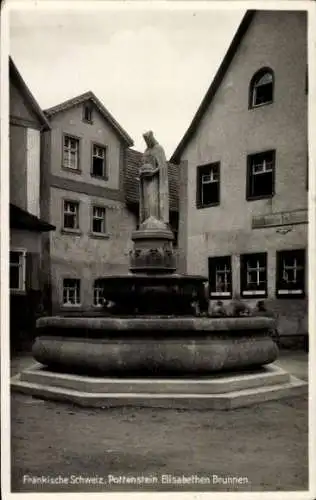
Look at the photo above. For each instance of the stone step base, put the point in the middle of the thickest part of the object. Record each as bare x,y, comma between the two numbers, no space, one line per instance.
215,384
263,385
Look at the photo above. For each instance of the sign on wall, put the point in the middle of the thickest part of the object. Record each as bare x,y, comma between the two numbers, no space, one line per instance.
280,219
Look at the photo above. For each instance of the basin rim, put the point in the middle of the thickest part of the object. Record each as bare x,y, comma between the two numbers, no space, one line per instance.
147,323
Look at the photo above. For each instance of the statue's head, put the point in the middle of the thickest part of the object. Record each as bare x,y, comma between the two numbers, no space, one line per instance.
149,139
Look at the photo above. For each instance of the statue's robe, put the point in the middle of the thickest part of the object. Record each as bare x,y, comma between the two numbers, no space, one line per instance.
156,154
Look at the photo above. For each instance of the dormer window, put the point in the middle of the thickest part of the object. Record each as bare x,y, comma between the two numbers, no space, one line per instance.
87,113
261,88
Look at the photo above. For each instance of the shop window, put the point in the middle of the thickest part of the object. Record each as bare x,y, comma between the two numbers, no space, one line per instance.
290,273
220,277
253,275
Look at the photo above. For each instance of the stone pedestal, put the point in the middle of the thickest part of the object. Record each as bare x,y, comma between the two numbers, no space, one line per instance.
153,250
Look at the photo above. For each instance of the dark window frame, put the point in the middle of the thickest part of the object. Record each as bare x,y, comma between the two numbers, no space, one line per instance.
102,207
214,262
200,171
78,294
248,290
249,195
306,80
252,86
20,265
76,203
283,289
98,285
104,176
87,106
78,140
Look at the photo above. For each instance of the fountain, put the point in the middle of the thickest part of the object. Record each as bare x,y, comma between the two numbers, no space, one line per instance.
150,348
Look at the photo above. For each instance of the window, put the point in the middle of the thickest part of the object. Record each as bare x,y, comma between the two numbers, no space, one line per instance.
17,270
87,113
71,292
98,293
208,184
220,277
71,215
98,220
98,161
260,175
306,81
71,153
291,273
261,88
253,275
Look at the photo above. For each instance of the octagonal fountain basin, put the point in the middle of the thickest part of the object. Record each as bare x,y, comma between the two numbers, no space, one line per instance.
153,346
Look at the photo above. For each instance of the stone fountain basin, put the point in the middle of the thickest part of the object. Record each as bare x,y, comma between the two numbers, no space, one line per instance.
153,345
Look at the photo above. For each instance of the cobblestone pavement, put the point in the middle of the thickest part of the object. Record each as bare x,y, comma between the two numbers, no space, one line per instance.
267,444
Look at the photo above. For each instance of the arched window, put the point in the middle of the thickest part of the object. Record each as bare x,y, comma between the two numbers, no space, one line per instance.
261,88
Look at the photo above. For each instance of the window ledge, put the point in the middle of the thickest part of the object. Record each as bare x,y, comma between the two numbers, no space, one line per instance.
16,291
100,236
200,206
219,296
101,177
71,170
73,232
255,106
71,306
263,197
290,294
254,294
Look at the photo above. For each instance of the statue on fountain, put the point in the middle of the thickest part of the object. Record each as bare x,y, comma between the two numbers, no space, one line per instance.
153,177
153,249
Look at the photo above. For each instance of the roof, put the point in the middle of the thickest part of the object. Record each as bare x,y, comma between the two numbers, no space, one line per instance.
243,27
15,75
133,161
89,96
21,219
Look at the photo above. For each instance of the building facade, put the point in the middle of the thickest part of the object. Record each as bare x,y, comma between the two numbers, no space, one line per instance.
244,172
85,154
27,124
